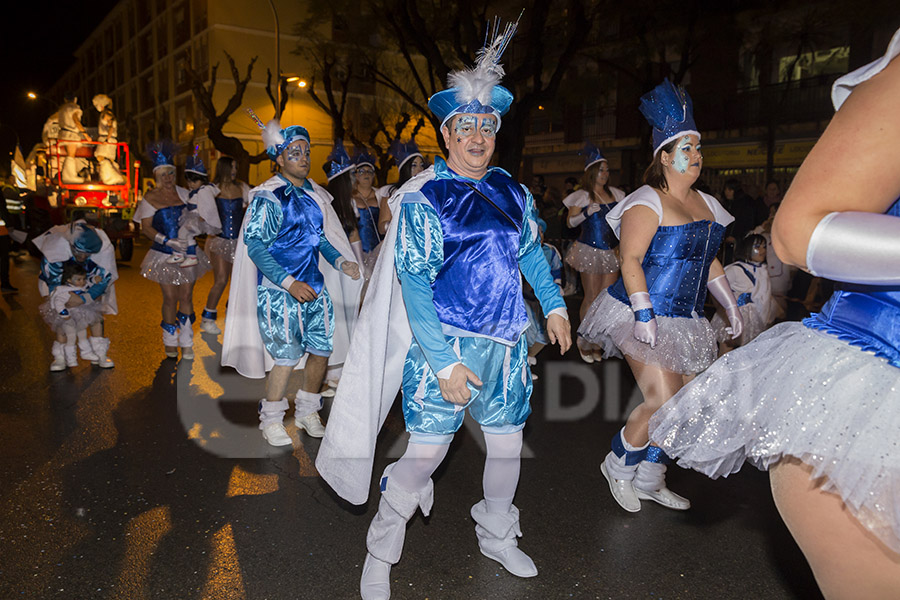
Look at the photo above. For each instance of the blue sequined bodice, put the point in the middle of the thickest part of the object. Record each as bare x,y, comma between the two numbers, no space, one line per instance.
231,214
596,232
368,227
479,288
165,221
296,248
676,267
864,316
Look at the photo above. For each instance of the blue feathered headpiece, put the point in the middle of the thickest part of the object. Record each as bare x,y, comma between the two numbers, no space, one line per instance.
162,152
84,239
592,155
404,151
362,157
277,139
338,161
670,112
195,164
478,90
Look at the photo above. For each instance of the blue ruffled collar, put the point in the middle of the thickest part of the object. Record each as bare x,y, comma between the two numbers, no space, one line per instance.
442,171
306,187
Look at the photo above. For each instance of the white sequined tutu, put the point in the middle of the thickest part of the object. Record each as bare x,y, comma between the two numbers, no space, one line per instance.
155,268
221,246
796,392
753,325
683,345
587,259
80,317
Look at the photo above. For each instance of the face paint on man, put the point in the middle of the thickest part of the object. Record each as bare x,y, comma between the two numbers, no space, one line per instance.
465,126
296,154
489,127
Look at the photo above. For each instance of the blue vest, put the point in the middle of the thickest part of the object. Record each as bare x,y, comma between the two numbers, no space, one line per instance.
231,214
479,288
676,267
367,226
864,316
165,221
296,247
596,232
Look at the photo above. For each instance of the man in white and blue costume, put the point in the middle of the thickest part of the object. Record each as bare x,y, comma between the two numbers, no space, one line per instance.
281,308
464,235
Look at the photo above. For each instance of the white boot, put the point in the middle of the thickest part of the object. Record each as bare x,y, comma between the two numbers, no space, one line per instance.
59,357
650,484
306,413
619,468
186,334
170,338
86,349
190,260
497,533
271,422
70,171
101,347
387,531
109,174
71,355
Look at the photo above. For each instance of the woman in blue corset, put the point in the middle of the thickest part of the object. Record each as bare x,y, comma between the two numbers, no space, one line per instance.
159,215
593,255
234,195
366,203
817,403
653,314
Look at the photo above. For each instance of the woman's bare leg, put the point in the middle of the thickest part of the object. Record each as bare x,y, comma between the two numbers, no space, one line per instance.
848,560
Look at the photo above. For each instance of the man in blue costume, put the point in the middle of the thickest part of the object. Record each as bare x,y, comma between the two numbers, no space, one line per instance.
80,243
463,236
282,309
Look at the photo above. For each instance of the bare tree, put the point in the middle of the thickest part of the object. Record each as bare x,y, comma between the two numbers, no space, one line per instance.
216,120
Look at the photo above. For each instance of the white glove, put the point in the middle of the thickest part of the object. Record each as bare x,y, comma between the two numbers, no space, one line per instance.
593,208
721,291
856,247
644,319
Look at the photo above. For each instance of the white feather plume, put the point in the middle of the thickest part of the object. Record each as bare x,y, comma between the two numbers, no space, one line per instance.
272,135
479,81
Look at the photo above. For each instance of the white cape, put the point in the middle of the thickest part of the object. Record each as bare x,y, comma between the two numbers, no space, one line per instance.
372,372
242,345
55,245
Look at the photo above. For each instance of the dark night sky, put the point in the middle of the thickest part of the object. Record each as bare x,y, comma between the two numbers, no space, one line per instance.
41,39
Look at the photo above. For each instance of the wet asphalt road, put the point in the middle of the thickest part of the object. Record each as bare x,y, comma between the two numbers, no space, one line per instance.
150,480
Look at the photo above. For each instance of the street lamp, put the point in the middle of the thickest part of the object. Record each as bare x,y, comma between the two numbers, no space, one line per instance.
34,96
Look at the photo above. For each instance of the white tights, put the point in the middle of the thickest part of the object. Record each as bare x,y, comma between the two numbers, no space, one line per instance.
501,468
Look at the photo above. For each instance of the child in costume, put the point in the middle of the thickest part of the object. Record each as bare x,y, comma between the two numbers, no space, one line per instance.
69,312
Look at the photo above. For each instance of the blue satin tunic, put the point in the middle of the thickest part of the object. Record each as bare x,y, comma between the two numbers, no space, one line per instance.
676,267
864,316
596,232
289,225
231,214
479,288
367,225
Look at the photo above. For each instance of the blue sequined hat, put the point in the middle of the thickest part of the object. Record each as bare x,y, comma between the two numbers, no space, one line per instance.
338,161
670,112
404,151
162,153
592,155
478,90
277,139
362,157
195,164
84,239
